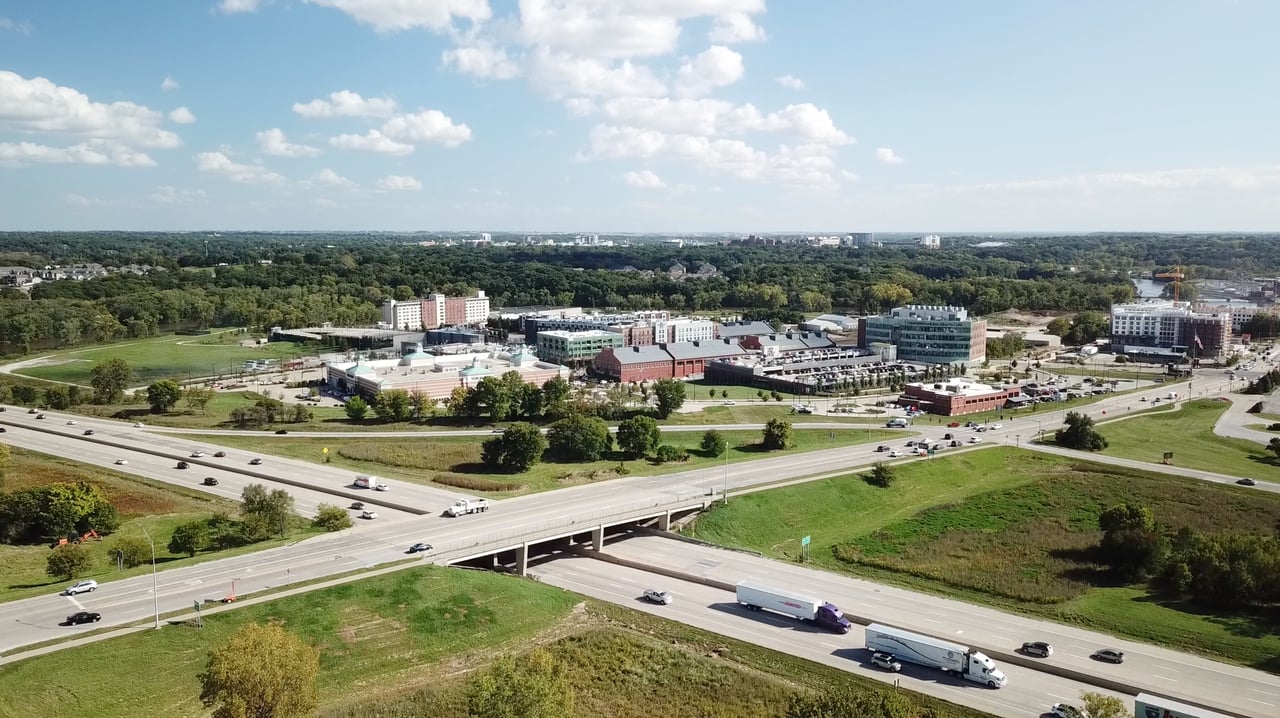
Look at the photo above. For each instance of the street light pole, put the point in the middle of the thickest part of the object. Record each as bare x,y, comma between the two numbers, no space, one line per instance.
726,475
155,590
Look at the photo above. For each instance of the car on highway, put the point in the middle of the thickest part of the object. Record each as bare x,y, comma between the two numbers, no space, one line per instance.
71,422
729,403
1066,710
1246,482
653,595
997,426
893,454
282,431
209,481
2,429
499,430
122,462
367,514
219,454
86,586
1108,655
197,454
138,425
420,547
76,619
33,411
953,425
39,416
955,443
255,461
886,662
357,505
88,432
183,464
974,440
882,448
381,487
1037,648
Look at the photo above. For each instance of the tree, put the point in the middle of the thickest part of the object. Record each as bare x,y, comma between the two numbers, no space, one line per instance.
880,475
69,561
1079,433
1274,445
163,395
392,405
1058,327
1099,705
133,550
262,671
578,438
1131,543
494,395
420,403
271,509
332,518
531,401
300,414
536,686
555,397
714,443
109,379
57,397
517,449
459,401
5,458
197,397
356,408
669,394
190,537
24,394
638,436
777,435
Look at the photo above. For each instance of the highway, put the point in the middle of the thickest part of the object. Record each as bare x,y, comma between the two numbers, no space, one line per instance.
1029,692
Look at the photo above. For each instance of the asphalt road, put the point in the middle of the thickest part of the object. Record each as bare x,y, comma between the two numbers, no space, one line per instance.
1028,693
1159,670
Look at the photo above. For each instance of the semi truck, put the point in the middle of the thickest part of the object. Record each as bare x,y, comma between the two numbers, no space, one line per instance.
1152,706
933,652
757,597
467,506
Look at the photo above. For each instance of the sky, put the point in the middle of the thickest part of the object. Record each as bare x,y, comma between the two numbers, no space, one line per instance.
640,115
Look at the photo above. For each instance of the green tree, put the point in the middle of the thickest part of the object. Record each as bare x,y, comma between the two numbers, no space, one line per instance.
518,449
531,401
777,435
1059,326
24,394
332,518
1079,433
713,443
393,405
1131,543
420,404
669,394
5,458
197,398
56,397
109,378
1100,705
494,395
271,509
638,436
262,671
578,438
1274,445
163,395
190,538
536,686
69,561
356,408
459,402
300,414
133,550
881,476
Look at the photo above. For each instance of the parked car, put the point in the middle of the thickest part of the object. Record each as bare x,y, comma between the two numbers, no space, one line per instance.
182,464
88,432
86,586
1037,648
219,454
2,429
653,595
122,462
1110,655
885,661
956,442
1246,482
210,481
947,436
76,619
255,461
420,547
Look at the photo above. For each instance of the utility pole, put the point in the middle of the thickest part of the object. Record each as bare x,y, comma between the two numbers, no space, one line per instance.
155,589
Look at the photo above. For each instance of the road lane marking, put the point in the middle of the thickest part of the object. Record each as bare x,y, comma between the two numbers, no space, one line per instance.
74,602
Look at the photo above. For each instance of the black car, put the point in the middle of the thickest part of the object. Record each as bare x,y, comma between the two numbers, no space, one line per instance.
1109,655
282,431
255,462
1246,482
182,464
76,619
210,481
420,548
219,454
1037,648
2,429
88,432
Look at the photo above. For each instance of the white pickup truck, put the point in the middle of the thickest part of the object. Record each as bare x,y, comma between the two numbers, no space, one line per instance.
467,506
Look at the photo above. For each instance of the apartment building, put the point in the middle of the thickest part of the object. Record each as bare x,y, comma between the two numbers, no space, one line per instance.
1170,325
435,311
928,334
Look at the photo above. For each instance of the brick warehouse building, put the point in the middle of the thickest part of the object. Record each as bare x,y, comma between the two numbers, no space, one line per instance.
636,363
954,397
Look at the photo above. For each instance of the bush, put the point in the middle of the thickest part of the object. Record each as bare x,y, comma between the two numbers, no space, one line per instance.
474,483
1273,427
190,538
714,443
668,453
69,561
332,518
134,550
881,476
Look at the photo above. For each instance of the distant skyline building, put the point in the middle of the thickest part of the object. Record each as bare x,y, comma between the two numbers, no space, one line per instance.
929,334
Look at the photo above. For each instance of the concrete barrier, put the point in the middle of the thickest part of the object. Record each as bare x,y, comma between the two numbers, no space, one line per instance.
222,466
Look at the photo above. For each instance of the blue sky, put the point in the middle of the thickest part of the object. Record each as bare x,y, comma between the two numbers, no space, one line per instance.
640,115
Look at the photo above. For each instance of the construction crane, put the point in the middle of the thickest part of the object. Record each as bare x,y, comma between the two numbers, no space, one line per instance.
1176,277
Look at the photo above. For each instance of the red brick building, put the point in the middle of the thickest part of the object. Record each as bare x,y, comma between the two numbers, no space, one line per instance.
690,358
634,363
954,397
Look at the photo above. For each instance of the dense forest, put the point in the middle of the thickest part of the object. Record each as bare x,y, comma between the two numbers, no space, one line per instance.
263,280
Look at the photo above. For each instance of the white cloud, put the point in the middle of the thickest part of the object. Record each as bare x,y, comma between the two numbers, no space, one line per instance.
427,126
329,178
805,122
394,15
169,84
618,29
481,60
272,142
734,28
216,163
372,141
345,103
20,26
231,7
166,194
398,183
40,106
715,67
182,116
80,200
885,155
561,76
643,179
791,82
93,152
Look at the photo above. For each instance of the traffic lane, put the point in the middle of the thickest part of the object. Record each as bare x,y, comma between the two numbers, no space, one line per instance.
1201,680
1028,692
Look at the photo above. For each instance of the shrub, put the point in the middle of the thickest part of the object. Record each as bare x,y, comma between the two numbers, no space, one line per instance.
474,483
332,518
668,453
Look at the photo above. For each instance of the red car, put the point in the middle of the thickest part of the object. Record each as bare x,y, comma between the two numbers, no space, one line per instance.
953,425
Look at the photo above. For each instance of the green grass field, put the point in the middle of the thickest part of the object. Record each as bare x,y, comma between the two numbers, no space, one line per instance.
404,644
420,460
1008,528
143,505
164,357
1188,433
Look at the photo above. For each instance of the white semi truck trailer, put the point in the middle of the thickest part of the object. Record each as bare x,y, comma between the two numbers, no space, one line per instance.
789,603
935,653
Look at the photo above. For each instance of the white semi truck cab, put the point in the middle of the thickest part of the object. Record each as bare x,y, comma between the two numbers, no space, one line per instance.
970,664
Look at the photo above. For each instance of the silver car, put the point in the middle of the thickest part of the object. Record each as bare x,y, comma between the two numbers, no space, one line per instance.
653,595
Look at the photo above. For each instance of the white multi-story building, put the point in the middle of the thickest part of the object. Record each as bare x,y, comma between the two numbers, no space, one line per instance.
684,330
435,311
1170,325
403,315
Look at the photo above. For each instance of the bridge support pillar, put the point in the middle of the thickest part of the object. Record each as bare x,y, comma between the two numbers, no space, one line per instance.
597,538
522,559
664,521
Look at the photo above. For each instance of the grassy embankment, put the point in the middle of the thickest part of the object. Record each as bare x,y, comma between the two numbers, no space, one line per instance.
1009,528
457,462
404,644
142,504
1188,433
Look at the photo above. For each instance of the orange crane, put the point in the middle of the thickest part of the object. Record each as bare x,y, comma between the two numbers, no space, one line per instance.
1176,277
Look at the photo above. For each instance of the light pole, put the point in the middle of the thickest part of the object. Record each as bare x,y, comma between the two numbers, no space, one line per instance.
155,590
726,475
